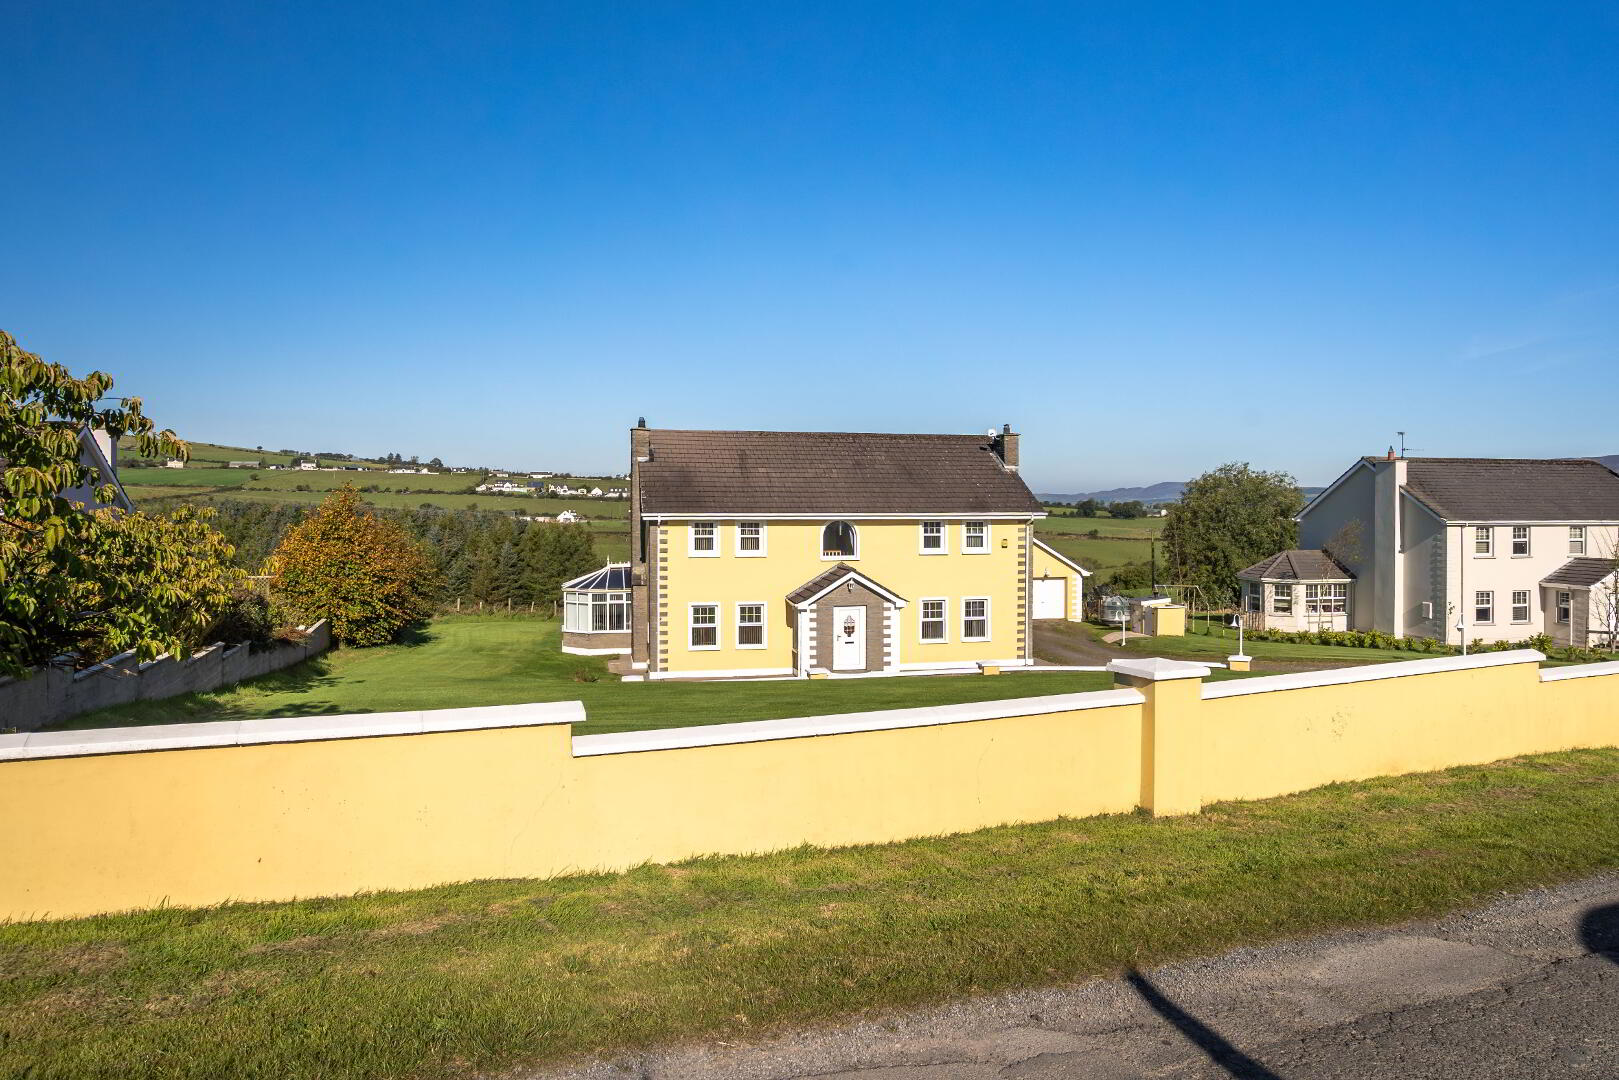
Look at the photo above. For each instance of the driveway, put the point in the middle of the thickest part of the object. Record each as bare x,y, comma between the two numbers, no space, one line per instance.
1527,987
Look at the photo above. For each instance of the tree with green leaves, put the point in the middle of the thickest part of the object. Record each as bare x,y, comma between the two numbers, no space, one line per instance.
365,574
57,592
1227,519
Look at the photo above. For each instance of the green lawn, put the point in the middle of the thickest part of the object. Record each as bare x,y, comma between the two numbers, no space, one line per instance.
472,979
499,660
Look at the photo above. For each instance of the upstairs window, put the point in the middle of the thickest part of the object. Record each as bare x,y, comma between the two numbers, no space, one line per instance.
1281,599
704,539
1520,605
933,538
1576,539
1483,540
1520,539
750,539
839,541
975,536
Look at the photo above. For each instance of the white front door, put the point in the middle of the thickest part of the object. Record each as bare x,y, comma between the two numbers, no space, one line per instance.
848,639
1050,595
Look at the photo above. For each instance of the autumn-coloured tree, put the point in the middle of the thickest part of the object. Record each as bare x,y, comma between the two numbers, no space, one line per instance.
54,588
363,573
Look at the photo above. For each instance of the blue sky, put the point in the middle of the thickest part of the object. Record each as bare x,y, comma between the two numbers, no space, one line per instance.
500,233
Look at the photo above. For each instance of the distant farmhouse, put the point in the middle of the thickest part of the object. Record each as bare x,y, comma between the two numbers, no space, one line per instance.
1457,549
822,554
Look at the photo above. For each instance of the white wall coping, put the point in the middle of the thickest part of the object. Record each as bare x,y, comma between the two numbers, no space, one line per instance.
1157,669
282,729
1579,671
1303,680
634,742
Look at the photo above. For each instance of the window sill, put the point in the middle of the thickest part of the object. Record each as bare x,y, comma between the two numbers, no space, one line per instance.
702,554
751,648
702,648
975,640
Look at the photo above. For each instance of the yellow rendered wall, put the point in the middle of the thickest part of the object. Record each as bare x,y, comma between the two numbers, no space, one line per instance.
264,822
1260,745
889,555
204,826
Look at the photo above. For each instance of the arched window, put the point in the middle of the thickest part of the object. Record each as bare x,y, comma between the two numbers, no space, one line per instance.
838,541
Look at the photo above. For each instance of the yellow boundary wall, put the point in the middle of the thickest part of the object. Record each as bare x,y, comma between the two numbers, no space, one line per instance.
273,809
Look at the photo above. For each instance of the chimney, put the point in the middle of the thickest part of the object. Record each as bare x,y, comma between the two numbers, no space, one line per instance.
1391,454
1005,447
640,442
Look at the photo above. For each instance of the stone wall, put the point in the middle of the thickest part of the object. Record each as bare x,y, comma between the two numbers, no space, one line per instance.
52,695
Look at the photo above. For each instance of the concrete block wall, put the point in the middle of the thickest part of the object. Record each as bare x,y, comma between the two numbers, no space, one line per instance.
53,695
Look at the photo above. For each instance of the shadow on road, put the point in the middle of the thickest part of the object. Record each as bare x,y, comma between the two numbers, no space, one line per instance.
1211,1042
1599,931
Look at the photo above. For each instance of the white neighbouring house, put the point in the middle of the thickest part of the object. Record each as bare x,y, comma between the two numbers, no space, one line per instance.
1458,549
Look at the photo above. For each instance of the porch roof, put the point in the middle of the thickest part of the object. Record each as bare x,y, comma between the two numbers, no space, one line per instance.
1581,573
821,584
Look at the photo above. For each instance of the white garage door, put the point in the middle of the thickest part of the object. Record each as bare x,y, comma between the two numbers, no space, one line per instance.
1051,598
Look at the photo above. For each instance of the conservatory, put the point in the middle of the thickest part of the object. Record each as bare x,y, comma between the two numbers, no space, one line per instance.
596,612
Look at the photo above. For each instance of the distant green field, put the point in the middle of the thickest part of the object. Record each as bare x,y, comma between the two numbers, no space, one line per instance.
135,479
1139,528
611,513
1094,555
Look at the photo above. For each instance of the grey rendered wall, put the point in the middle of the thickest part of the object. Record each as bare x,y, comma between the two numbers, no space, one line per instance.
1353,501
53,695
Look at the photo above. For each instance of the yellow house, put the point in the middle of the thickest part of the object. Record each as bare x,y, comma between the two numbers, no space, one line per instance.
797,554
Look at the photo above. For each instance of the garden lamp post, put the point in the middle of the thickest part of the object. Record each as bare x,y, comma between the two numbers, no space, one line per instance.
1236,624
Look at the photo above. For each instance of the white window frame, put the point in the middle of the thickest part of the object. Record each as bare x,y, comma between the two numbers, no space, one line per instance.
854,533
1483,534
1486,605
922,535
1527,606
1276,594
1325,598
1576,539
943,620
1524,539
988,628
967,534
692,625
691,540
1565,606
764,546
764,632
1256,598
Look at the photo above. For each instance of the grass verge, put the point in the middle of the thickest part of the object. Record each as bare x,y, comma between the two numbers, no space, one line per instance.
452,981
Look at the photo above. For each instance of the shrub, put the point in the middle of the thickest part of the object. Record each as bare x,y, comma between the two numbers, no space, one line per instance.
245,618
363,573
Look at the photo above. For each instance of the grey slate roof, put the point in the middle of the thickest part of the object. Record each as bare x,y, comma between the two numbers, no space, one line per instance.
1309,564
831,577
1580,572
1515,489
842,474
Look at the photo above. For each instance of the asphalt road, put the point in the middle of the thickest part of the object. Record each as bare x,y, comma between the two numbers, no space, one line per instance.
1525,988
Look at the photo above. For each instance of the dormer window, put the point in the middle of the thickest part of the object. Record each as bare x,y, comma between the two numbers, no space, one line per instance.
839,541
